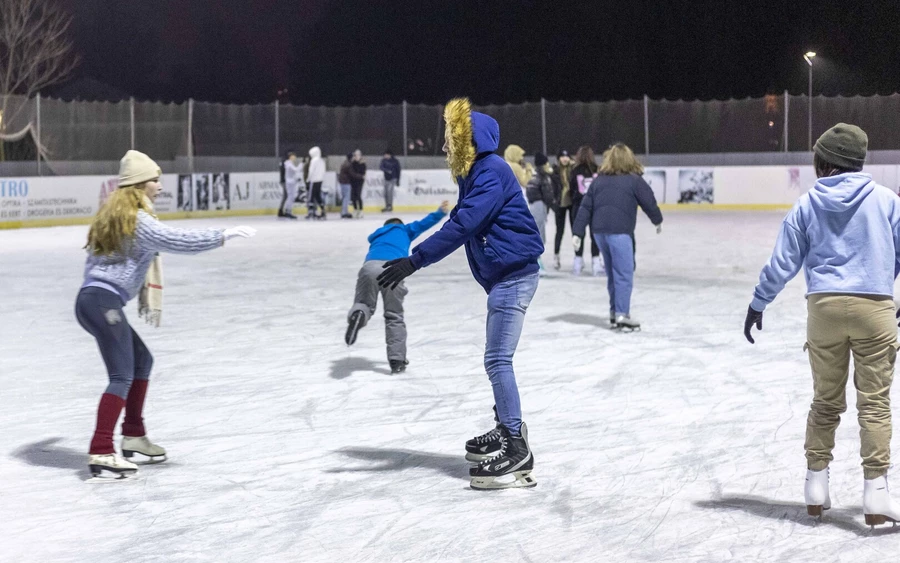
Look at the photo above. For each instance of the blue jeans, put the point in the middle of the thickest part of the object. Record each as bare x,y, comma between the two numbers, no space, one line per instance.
345,199
507,303
618,259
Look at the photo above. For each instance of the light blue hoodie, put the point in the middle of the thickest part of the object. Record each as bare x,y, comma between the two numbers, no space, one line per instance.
845,232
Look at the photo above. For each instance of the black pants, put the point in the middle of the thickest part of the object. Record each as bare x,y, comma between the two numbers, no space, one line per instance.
560,213
356,196
315,198
283,199
99,311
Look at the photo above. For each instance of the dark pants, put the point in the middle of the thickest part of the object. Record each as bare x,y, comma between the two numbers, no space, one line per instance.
315,199
99,311
356,196
560,213
283,199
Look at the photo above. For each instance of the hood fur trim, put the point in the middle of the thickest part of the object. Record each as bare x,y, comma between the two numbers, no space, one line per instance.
458,119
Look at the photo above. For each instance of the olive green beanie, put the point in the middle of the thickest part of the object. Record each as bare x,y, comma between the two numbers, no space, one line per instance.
843,146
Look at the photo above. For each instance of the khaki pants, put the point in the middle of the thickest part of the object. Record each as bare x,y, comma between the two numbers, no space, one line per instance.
839,325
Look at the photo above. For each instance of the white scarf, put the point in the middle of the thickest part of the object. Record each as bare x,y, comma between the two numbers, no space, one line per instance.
151,296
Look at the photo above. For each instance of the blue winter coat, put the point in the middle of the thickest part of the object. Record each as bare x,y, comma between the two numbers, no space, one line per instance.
392,241
491,218
391,169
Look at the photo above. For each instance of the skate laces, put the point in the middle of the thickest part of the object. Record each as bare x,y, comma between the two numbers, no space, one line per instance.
504,442
488,436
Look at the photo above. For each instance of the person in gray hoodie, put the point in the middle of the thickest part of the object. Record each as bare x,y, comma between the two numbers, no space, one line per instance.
845,235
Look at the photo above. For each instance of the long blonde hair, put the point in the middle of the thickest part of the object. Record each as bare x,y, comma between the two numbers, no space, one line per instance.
619,159
117,219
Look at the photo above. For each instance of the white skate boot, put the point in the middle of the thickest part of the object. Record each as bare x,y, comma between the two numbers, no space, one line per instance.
625,323
816,492
110,467
878,506
149,452
597,265
578,265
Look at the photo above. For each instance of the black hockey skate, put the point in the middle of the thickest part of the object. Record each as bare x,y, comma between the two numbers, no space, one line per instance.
354,323
485,446
510,468
398,366
625,323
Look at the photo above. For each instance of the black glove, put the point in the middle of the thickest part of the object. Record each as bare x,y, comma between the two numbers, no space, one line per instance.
898,315
394,272
753,317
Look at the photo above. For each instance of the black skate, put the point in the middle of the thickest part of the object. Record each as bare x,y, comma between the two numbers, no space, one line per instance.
398,366
485,446
354,323
510,468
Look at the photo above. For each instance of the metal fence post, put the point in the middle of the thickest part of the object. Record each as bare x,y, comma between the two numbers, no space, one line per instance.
646,124
405,132
787,107
190,133
38,143
544,124
131,118
277,132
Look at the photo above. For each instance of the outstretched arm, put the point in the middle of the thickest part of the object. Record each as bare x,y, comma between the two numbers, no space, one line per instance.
416,228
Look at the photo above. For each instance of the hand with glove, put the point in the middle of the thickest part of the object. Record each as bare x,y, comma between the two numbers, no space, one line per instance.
754,317
243,232
395,271
576,242
898,316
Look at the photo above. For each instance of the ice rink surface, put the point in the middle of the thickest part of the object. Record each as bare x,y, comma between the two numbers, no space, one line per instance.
679,443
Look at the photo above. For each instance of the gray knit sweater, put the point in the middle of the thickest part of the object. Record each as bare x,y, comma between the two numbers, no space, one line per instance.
126,271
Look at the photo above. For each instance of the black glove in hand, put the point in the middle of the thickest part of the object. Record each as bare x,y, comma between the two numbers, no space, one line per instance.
898,316
753,317
394,272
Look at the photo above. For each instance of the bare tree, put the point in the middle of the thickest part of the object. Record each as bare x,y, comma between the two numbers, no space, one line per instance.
35,52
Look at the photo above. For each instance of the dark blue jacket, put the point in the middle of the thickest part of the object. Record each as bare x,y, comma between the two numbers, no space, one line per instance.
491,218
391,168
392,241
610,205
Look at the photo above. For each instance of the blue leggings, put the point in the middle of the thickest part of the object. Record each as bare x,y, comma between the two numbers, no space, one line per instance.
99,311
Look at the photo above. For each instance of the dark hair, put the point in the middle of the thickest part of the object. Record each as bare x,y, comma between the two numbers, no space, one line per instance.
585,156
289,153
349,156
393,221
825,168
389,151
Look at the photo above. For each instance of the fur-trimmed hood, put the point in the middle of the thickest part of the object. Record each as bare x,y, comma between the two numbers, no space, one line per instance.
469,134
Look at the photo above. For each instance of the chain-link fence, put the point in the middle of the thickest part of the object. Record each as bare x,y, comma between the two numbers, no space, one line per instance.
100,131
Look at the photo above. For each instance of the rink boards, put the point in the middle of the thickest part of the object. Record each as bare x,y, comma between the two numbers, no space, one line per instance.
67,200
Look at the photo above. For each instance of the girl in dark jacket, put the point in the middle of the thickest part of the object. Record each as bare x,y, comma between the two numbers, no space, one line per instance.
357,181
562,200
610,207
580,179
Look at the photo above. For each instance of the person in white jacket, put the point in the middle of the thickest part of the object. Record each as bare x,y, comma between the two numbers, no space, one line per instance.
293,176
314,179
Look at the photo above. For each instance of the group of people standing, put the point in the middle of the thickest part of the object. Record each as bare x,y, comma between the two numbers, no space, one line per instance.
351,179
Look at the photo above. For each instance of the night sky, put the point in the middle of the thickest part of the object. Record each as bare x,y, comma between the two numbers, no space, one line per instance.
373,52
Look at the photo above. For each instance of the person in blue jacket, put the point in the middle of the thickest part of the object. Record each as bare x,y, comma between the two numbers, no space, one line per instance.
387,243
503,245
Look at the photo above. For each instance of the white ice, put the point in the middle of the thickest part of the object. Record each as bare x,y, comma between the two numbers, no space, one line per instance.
679,443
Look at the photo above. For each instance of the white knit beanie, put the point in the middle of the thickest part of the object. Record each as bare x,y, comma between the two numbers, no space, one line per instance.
137,167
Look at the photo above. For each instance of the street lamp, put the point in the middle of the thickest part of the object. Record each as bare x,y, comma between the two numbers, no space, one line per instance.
808,57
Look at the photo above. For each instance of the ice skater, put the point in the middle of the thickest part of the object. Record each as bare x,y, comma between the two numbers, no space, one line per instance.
315,205
539,194
503,245
293,177
123,262
845,234
387,243
610,208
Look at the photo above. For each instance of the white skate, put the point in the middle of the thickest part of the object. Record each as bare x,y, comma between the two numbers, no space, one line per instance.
625,323
816,492
110,467
149,452
577,265
597,265
878,506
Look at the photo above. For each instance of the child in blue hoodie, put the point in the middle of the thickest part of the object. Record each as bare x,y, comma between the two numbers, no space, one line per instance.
503,245
387,243
845,234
